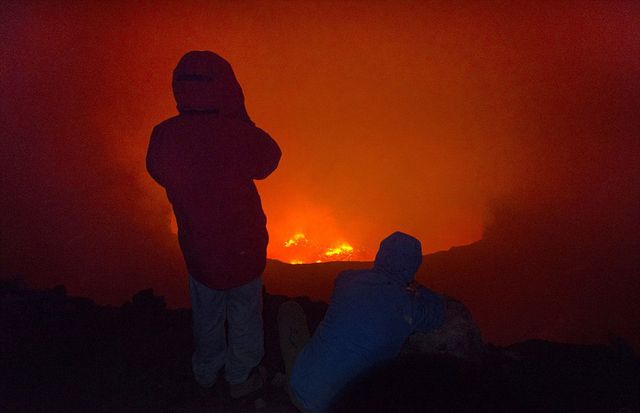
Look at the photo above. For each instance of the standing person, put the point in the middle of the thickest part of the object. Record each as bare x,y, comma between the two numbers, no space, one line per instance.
371,314
207,158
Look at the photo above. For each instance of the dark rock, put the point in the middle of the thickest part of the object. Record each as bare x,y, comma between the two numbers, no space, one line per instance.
59,290
67,354
147,300
620,346
459,336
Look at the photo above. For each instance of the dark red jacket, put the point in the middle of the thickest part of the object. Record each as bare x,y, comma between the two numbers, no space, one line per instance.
207,158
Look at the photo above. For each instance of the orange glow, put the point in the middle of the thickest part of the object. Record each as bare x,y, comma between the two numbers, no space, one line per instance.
298,239
307,251
444,108
344,250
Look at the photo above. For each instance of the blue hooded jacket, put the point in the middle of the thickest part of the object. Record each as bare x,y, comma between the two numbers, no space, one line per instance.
370,316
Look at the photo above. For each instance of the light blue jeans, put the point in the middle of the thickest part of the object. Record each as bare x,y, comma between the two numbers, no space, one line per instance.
242,307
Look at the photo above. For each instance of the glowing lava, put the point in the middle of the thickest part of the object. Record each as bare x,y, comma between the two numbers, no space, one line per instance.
298,239
304,247
345,250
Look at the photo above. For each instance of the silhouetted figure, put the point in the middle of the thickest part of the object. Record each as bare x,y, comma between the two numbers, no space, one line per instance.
370,316
207,158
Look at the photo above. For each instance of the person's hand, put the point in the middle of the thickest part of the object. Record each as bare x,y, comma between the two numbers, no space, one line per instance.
412,287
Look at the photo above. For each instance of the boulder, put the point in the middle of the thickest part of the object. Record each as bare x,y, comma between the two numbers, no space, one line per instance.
459,336
148,301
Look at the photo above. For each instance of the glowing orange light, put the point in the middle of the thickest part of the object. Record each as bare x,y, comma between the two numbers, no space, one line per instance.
341,250
296,240
305,250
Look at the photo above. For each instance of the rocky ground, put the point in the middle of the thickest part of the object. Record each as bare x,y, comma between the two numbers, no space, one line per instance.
66,354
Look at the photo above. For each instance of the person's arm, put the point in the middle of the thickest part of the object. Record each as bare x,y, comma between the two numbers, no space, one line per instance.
153,165
429,309
240,113
265,154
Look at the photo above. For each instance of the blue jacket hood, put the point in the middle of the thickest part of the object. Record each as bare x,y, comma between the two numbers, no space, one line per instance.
399,257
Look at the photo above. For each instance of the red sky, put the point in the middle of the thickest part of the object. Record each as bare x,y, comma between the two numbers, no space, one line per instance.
407,115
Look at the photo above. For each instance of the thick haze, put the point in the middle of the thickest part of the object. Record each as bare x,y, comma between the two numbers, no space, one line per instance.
434,118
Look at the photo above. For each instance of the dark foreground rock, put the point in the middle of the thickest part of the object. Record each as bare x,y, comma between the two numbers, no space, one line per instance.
65,354
458,337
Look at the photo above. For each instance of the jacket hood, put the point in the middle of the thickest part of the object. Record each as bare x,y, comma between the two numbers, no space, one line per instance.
204,81
399,257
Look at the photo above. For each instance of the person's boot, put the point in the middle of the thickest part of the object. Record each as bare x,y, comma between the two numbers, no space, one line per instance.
257,379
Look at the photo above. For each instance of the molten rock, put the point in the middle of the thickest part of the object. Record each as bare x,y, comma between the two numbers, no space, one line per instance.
459,336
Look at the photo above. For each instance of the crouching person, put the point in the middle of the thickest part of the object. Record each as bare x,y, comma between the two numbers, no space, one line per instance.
370,316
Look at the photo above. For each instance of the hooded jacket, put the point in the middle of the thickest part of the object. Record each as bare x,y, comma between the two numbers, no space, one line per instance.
370,316
207,158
